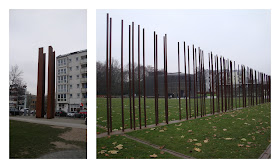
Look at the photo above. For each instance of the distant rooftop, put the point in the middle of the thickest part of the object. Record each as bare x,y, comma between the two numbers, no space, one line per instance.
76,52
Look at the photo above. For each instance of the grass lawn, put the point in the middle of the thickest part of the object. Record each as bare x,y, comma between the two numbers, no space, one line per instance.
173,110
29,140
242,133
131,149
100,130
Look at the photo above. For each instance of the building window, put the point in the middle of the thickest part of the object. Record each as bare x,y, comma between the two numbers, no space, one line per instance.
78,95
70,77
77,58
69,60
77,67
70,95
70,86
70,68
78,76
58,71
78,85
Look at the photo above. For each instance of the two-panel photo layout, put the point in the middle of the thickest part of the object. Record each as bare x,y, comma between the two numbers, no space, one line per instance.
170,84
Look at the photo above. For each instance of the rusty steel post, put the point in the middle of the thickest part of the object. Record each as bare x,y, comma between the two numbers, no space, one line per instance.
196,96
129,69
155,77
133,91
235,86
253,97
189,82
231,84
107,82
256,83
238,86
110,76
217,81
40,85
165,92
200,102
51,84
194,83
186,81
179,93
213,105
166,79
245,87
139,84
210,91
242,71
144,80
204,85
122,75
222,83
225,83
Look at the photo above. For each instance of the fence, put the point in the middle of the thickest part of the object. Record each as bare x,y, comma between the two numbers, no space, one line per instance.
222,82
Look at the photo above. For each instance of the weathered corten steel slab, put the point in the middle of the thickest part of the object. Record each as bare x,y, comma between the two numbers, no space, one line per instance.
40,85
51,84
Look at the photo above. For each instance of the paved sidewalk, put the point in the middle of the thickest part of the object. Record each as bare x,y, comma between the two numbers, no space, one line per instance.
267,153
66,154
63,122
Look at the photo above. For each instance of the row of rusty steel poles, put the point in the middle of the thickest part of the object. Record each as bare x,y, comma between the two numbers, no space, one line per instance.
226,87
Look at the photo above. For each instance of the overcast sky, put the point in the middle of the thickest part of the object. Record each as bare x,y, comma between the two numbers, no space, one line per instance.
64,30
240,35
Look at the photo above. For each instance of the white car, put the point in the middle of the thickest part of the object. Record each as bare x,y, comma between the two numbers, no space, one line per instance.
71,114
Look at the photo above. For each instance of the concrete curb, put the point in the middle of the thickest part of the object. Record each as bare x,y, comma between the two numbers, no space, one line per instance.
267,153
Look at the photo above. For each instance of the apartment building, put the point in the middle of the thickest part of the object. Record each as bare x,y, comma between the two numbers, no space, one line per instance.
71,81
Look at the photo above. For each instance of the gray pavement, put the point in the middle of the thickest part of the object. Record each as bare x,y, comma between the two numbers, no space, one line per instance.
57,121
66,154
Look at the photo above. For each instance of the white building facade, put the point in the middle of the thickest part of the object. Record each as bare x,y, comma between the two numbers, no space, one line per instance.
71,81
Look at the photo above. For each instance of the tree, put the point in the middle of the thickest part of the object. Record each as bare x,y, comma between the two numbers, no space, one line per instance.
17,86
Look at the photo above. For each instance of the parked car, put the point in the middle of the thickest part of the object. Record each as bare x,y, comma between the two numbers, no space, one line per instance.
77,114
60,113
83,113
71,114
14,111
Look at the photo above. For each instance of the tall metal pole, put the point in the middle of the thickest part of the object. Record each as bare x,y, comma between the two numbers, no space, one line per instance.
186,81
218,88
225,83
166,79
155,76
210,83
256,83
194,84
139,84
110,77
107,79
133,79
129,64
222,83
122,74
189,82
231,84
179,93
144,80
213,105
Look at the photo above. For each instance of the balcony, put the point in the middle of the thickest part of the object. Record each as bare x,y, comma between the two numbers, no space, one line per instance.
83,80
83,70
83,61
84,100
84,90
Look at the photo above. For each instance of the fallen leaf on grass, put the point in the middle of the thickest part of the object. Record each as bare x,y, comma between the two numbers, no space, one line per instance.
102,151
197,149
153,156
182,136
194,139
103,147
190,140
178,125
243,139
240,145
189,130
161,152
249,143
114,143
161,147
198,144
120,146
224,129
228,138
113,152
152,128
248,146
179,129
206,141
214,135
253,137
161,130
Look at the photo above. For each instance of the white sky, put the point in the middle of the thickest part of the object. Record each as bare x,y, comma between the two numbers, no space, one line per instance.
240,35
64,30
